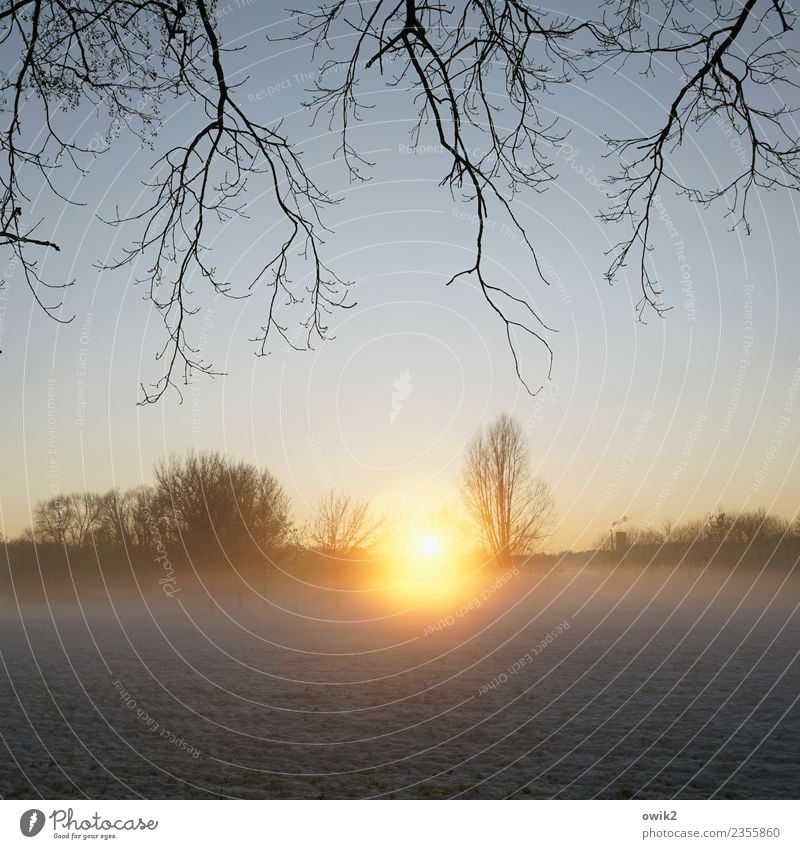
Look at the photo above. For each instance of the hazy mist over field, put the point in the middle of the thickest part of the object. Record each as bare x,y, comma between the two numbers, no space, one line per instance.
566,682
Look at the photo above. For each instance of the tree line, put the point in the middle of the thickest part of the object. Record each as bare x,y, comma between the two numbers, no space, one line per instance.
202,501
206,502
720,526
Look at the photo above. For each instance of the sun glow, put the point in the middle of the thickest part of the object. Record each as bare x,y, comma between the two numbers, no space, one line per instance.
428,571
425,568
428,545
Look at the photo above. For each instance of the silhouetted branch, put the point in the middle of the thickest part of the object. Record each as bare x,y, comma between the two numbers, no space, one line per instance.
735,71
478,74
452,59
125,59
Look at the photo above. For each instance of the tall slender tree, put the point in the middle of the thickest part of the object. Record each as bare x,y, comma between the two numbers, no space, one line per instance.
511,509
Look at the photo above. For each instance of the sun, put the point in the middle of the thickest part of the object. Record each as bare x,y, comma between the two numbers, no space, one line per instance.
428,545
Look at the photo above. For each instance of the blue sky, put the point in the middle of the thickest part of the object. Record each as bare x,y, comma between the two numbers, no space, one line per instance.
668,419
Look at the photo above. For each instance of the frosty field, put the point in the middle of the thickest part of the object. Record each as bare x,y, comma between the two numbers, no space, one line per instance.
580,684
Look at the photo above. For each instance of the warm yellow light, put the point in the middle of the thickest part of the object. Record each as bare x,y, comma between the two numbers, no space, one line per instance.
428,545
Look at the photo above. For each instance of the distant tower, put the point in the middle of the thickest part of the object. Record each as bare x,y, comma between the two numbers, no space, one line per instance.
620,542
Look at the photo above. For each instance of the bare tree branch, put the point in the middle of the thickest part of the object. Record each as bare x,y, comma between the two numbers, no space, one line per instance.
511,509
479,75
126,59
451,59
736,71
340,525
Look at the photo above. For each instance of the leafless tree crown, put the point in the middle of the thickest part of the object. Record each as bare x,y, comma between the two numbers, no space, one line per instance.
479,76
342,525
511,509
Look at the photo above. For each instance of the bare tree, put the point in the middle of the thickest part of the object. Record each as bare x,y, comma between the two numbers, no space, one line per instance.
51,519
141,512
68,519
511,509
126,517
340,525
480,76
717,526
209,501
86,510
754,525
112,518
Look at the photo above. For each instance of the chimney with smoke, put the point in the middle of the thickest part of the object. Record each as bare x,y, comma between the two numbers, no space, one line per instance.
619,539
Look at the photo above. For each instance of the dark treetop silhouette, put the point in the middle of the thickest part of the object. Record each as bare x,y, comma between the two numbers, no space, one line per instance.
128,58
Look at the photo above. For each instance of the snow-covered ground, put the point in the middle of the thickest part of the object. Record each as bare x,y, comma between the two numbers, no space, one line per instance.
616,685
